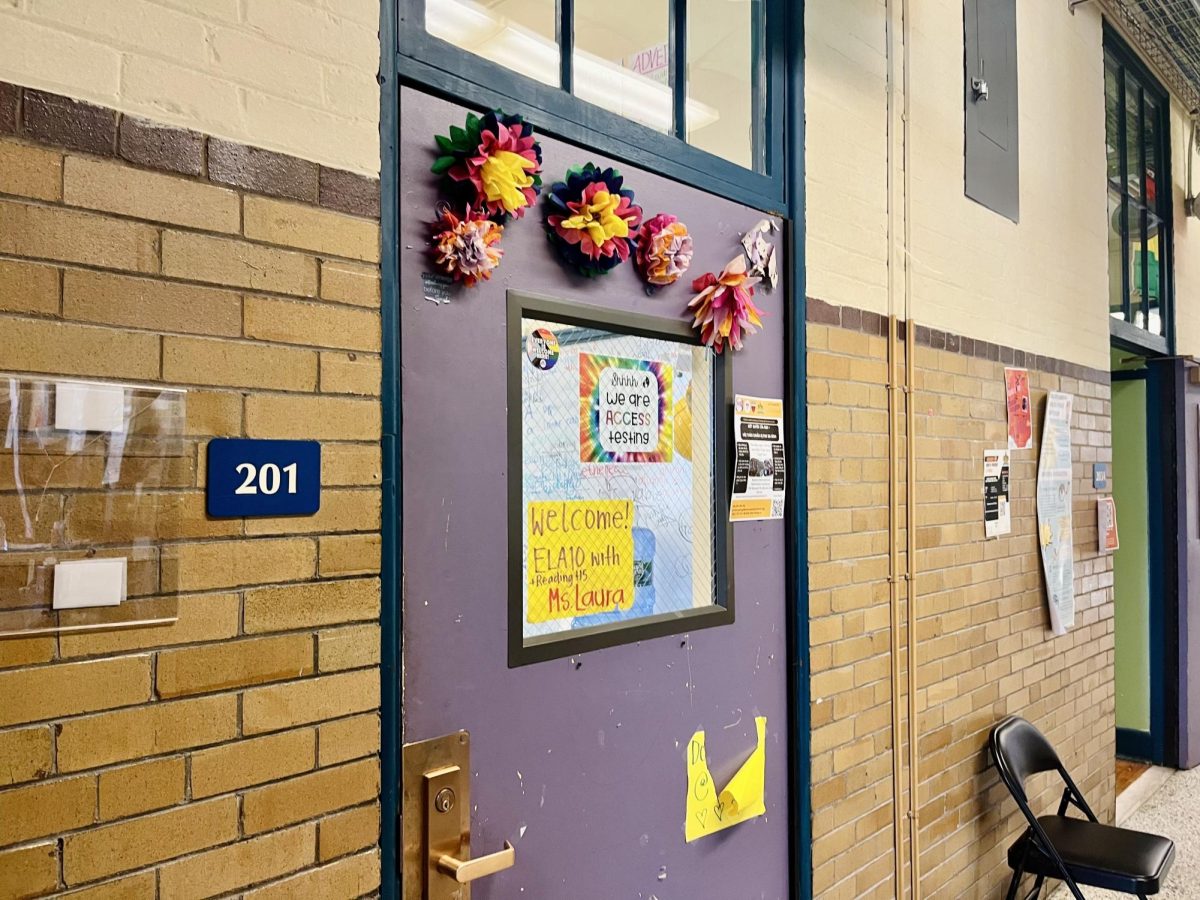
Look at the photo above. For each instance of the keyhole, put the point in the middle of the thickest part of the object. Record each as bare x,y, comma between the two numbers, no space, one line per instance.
443,801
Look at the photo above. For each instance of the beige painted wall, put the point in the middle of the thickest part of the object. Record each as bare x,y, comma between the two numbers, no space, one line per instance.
1040,285
297,76
1187,238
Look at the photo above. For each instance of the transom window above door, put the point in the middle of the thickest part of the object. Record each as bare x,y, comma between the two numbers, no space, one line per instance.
690,69
1139,200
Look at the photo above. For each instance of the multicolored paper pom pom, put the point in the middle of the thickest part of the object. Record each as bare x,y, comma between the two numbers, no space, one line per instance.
465,247
664,250
493,165
724,306
592,219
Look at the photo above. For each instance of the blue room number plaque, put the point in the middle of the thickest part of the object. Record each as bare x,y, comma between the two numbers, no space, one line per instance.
252,478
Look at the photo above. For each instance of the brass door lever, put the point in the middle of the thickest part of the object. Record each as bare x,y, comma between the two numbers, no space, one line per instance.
437,822
466,871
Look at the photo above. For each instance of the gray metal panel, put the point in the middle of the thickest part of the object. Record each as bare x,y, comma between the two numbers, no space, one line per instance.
992,157
1189,613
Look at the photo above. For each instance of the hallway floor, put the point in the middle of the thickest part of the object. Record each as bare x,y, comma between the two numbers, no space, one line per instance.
1173,811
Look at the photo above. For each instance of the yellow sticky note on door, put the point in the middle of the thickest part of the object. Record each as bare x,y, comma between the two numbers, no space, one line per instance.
710,809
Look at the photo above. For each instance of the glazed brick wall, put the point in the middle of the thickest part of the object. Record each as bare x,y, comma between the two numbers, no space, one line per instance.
296,76
984,647
234,752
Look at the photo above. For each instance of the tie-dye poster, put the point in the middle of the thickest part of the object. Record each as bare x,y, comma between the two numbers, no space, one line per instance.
625,410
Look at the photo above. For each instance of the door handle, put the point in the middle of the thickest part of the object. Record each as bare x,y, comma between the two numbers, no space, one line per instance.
437,822
465,871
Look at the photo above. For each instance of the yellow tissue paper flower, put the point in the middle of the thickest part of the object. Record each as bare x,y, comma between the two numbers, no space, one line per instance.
505,176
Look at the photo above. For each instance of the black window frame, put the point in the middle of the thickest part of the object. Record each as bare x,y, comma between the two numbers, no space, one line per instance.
437,65
1120,57
523,651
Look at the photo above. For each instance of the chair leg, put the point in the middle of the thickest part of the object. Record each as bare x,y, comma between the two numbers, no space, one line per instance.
1014,884
1037,887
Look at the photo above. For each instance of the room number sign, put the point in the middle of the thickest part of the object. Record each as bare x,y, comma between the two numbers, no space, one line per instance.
254,478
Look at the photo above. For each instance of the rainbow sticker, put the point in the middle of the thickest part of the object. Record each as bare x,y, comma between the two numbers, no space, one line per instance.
624,410
542,348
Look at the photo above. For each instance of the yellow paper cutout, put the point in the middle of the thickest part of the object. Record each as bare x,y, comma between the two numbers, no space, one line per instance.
580,558
743,798
683,425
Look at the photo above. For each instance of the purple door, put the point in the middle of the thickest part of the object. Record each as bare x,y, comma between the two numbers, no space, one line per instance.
579,761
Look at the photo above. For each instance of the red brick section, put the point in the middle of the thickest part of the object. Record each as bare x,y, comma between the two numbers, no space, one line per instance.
75,125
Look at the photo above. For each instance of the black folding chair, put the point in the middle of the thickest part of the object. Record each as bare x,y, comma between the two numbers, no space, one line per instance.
1079,851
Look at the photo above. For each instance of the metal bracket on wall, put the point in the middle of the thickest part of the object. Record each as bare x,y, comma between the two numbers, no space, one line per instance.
1071,4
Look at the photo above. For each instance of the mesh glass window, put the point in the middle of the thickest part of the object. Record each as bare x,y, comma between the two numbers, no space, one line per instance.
617,519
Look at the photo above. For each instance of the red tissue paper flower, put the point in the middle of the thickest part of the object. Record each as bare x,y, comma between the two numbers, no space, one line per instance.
664,249
466,247
494,163
724,306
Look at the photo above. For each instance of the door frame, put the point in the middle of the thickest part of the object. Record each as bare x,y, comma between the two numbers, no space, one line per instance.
397,71
1165,457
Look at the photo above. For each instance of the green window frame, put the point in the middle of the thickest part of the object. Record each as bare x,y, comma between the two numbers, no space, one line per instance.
425,56
1137,138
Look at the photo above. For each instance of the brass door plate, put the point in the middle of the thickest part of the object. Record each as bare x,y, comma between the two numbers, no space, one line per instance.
434,758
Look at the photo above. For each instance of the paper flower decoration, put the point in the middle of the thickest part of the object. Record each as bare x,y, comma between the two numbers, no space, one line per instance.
664,249
592,219
761,253
465,247
724,306
493,164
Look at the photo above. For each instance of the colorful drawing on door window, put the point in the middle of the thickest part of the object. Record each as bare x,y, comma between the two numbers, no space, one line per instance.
612,417
624,410
580,558
710,810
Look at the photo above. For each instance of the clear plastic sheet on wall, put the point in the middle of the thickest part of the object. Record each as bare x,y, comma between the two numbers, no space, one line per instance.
91,471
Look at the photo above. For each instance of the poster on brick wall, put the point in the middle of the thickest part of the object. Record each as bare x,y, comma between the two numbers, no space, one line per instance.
1054,511
1020,412
997,518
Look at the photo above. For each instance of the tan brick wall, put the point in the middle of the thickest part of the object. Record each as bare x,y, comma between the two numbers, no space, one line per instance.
984,648
237,748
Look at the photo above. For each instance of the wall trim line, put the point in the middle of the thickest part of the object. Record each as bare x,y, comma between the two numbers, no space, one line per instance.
853,319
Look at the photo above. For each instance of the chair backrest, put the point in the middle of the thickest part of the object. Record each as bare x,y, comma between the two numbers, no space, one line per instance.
1020,750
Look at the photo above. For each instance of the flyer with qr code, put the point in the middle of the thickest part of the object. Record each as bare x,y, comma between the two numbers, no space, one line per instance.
759,471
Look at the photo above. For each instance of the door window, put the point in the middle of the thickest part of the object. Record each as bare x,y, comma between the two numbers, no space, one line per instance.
613,433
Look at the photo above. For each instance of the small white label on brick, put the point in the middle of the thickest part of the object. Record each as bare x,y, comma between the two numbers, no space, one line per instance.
79,406
90,582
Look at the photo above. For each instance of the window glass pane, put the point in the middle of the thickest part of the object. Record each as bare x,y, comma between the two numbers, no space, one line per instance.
1112,123
623,61
1116,250
1137,264
617,520
1133,153
724,110
1150,143
1155,273
518,34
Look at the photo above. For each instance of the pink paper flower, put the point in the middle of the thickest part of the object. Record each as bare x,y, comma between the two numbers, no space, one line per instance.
465,248
724,306
664,249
